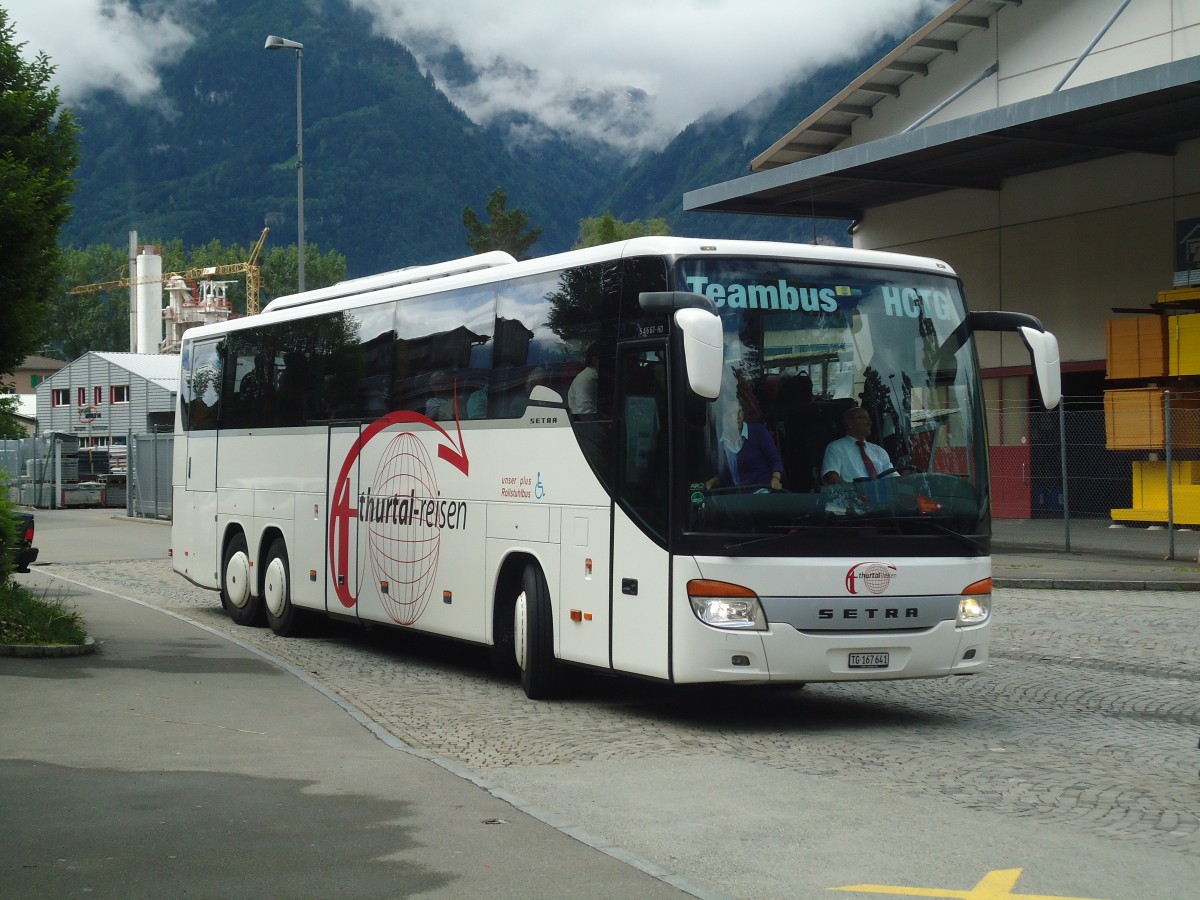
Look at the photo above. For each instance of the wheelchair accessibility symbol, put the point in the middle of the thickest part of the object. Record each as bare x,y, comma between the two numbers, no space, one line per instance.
539,491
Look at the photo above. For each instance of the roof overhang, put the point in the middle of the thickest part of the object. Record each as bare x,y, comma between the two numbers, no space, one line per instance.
1148,111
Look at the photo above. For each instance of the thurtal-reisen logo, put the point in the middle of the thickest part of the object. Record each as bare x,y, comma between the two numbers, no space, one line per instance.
401,514
875,577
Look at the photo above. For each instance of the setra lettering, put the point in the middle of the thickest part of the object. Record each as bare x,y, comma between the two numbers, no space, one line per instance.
868,612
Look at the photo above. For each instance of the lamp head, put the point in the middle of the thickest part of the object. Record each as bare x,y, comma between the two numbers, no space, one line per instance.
275,42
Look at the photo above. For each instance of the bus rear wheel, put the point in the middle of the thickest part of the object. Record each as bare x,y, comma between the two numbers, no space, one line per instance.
533,637
236,595
285,620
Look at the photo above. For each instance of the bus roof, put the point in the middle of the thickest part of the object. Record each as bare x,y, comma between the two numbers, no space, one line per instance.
498,265
409,275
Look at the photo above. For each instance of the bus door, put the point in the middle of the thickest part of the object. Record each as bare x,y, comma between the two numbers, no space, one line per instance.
640,561
202,390
196,505
342,528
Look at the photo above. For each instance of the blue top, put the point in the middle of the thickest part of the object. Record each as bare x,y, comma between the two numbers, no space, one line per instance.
755,462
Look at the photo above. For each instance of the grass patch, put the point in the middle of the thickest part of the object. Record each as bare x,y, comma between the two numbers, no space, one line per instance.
26,618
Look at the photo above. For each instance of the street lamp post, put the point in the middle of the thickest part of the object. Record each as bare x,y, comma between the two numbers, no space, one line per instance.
274,42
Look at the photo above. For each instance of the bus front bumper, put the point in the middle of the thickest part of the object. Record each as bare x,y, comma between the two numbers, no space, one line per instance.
782,654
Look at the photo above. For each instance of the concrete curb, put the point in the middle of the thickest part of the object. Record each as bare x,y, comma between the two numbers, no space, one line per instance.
49,651
1078,584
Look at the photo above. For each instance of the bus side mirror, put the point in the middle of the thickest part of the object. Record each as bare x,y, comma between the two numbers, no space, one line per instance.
703,351
1041,344
1043,348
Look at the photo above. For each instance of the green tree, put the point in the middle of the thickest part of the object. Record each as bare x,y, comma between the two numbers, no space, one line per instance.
608,228
95,320
10,426
506,230
281,268
38,153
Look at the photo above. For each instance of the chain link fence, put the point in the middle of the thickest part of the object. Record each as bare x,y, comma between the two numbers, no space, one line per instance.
150,474
1094,465
53,472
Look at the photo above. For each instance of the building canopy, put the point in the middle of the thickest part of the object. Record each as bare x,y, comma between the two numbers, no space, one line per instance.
1147,111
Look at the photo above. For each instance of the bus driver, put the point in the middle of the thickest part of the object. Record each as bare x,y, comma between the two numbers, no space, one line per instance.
853,457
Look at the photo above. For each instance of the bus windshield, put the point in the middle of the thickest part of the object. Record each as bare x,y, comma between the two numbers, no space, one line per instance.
850,400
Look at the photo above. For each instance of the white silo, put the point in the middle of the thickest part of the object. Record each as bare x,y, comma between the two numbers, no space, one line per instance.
149,300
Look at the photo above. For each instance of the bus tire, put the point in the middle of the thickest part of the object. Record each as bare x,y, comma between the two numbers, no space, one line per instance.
285,620
533,628
237,597
503,651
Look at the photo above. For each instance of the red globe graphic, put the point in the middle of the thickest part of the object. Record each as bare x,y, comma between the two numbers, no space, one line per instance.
876,578
404,542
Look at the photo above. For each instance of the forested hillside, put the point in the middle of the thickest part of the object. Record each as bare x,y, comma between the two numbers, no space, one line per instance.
389,162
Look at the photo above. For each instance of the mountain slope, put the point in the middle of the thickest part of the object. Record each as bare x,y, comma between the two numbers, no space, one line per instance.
389,162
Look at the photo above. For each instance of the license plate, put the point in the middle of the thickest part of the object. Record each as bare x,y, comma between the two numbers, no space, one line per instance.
869,660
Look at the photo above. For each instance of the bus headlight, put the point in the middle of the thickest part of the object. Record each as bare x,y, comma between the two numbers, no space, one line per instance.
975,604
724,605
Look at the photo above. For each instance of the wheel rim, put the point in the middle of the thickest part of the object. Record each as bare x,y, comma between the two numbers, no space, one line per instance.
520,614
237,579
275,587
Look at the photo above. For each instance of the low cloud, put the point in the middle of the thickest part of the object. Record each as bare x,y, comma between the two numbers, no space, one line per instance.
100,44
627,72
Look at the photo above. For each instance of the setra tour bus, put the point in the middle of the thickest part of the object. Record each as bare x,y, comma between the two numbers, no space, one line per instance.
616,458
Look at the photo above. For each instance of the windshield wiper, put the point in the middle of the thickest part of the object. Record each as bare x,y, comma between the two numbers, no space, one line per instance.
901,523
770,538
965,539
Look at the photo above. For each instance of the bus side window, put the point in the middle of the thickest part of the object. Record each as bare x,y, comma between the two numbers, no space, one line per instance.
642,437
291,391
204,386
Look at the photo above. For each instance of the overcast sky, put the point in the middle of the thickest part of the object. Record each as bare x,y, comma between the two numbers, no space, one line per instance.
644,69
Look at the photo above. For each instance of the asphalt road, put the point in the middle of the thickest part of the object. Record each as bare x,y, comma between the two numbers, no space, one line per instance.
1069,770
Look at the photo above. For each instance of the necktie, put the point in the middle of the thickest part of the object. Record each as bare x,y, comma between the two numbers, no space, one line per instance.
870,466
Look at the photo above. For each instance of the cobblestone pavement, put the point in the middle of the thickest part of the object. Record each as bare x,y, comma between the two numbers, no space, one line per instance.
1088,718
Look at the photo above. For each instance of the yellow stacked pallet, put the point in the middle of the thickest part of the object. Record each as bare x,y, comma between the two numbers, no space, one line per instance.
1184,345
1135,419
1179,295
1137,347
1122,357
1150,494
1152,348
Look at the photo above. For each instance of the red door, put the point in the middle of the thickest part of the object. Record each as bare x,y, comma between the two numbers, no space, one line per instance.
1009,456
1010,481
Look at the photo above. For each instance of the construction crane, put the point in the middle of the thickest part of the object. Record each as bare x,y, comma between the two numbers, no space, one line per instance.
250,268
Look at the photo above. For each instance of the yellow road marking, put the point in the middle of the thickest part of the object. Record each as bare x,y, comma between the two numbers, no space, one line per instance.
995,885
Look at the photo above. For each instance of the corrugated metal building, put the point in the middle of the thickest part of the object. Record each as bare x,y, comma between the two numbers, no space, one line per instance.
102,398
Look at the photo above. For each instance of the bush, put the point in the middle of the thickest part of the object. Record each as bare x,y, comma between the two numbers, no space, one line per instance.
26,618
8,532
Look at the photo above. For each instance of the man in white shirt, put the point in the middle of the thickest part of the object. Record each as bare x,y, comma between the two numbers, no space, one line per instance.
581,396
853,457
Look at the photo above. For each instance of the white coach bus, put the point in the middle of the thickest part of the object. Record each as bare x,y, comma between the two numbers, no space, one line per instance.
612,458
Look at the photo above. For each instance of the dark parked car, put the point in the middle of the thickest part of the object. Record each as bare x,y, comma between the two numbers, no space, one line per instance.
26,552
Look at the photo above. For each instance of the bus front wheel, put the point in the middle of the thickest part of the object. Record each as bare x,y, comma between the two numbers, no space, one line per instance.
533,637
236,596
